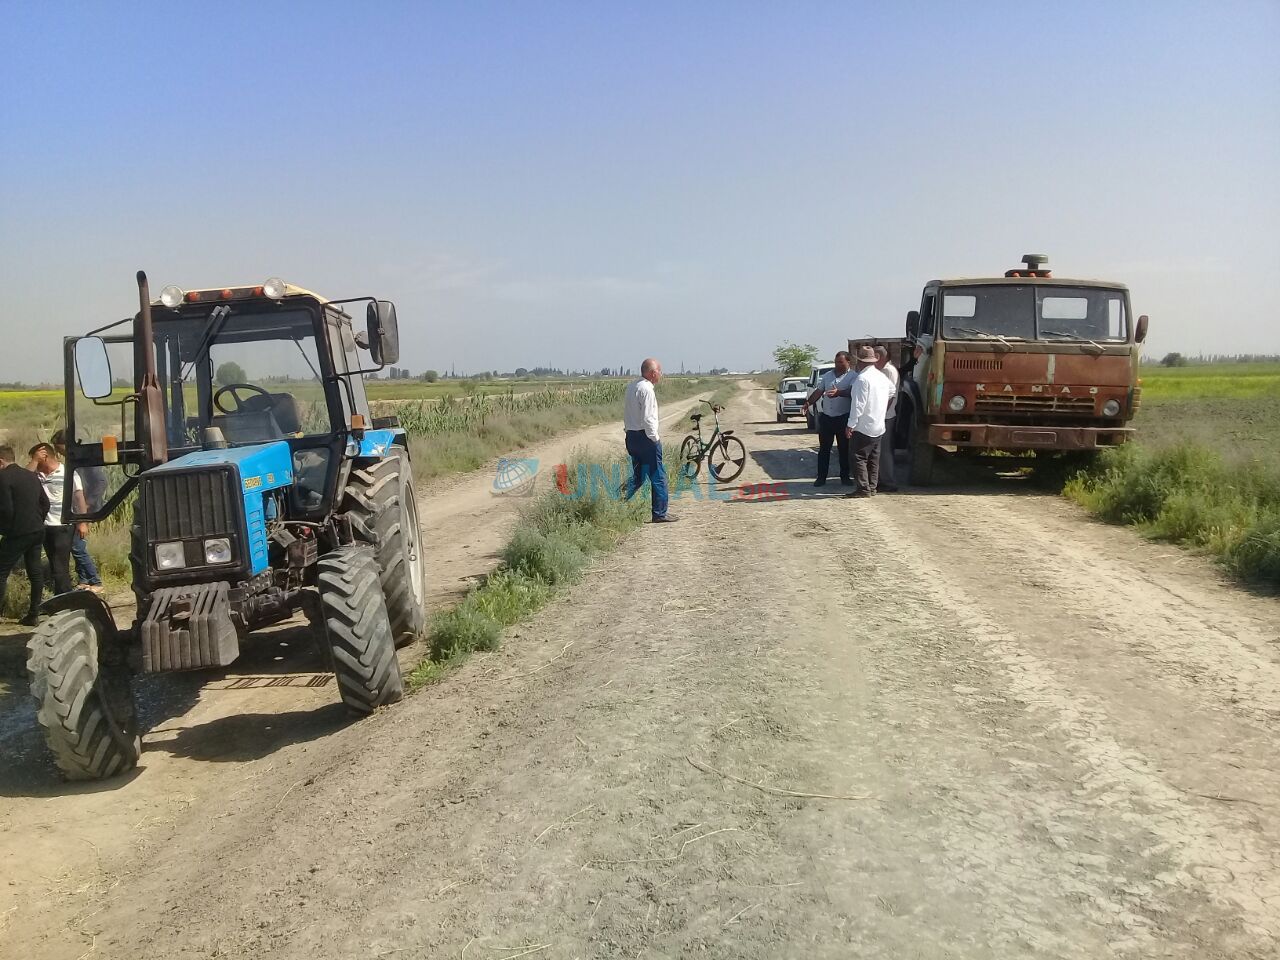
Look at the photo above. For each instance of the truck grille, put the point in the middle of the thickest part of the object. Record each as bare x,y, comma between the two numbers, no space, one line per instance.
179,506
1028,404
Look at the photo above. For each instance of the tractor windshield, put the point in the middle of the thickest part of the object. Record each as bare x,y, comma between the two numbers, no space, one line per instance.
1030,312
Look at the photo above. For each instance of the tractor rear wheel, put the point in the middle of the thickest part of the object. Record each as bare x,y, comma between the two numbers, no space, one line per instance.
84,700
357,632
379,499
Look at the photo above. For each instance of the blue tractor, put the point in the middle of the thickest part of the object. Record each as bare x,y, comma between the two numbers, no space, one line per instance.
259,484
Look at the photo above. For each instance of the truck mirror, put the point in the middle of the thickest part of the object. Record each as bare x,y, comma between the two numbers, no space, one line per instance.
93,368
913,323
1141,333
384,333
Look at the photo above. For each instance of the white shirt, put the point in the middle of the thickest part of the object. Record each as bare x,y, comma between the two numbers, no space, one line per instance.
870,401
891,372
54,484
835,406
640,408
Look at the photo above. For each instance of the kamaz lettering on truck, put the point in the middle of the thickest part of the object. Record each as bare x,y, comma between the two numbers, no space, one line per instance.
1019,363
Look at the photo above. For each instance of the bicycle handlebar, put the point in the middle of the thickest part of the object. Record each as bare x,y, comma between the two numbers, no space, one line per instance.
716,407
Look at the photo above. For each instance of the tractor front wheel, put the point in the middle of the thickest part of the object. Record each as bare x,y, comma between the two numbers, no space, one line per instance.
379,499
84,700
357,631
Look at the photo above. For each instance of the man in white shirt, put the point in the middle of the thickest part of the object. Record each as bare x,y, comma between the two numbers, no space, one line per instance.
644,445
833,389
869,402
888,480
57,535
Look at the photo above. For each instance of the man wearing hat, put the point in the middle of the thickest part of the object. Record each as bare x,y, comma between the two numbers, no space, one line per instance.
869,401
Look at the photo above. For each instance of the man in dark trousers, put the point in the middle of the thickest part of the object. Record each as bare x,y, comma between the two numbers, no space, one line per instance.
833,390
23,507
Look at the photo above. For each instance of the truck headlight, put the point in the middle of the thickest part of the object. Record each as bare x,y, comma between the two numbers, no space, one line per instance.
217,550
1111,408
171,296
170,556
956,404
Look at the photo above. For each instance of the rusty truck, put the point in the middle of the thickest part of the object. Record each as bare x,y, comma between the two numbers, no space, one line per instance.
1024,364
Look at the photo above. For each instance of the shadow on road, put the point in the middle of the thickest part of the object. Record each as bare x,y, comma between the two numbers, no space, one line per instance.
280,656
251,736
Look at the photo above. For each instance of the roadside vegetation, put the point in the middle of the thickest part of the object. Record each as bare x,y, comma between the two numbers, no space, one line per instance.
1205,472
554,541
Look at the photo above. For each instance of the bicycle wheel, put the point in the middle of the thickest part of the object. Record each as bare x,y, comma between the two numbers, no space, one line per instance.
726,459
690,458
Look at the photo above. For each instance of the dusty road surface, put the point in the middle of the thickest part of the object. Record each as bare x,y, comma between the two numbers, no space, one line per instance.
962,723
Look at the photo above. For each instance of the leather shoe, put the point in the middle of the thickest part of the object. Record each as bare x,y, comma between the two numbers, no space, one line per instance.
819,483
846,483
857,495
30,621
667,519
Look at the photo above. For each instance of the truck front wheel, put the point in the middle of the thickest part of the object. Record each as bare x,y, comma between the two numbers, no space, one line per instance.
84,700
922,456
357,632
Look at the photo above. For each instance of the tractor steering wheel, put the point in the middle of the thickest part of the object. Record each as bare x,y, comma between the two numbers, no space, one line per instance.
233,390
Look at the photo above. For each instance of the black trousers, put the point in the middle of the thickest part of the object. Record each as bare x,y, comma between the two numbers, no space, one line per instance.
866,462
830,428
26,548
57,546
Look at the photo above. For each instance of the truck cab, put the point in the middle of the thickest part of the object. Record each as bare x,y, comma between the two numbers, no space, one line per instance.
1025,362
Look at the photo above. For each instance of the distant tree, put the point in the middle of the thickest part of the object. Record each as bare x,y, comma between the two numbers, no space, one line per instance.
431,376
1173,360
230,372
793,359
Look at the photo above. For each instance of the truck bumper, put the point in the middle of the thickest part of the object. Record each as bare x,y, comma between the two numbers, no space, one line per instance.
999,436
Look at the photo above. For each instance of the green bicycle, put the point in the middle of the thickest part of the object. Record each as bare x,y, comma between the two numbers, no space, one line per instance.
725,455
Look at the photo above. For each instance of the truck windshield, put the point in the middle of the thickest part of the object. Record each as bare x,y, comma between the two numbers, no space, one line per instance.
1013,312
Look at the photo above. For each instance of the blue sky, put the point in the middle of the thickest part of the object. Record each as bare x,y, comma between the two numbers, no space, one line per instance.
584,184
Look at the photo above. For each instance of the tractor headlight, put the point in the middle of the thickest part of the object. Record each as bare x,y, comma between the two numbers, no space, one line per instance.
1111,408
956,403
273,288
170,556
171,297
217,550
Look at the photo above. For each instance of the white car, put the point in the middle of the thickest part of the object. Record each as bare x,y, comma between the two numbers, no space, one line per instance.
811,418
791,394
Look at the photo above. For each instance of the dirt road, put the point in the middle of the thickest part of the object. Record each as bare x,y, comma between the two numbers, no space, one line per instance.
947,724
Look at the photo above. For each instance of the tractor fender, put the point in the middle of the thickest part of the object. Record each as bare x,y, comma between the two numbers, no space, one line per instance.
98,609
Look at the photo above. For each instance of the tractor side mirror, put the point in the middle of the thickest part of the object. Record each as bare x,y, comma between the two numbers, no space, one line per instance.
1141,333
913,324
93,368
384,333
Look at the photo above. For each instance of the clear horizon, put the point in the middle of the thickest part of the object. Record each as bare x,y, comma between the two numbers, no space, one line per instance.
575,185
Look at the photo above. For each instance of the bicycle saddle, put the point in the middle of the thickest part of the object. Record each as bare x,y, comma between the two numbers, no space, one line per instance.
695,416
726,433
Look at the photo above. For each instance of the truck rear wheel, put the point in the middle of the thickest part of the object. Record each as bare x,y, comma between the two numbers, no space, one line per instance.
379,499
84,700
356,629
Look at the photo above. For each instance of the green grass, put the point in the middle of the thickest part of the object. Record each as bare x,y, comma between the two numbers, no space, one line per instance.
1205,469
1190,495
554,542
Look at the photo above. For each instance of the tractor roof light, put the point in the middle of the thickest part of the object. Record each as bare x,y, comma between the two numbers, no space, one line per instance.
274,288
171,296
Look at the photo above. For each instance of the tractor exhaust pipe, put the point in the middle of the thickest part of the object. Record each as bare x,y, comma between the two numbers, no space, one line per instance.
155,440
